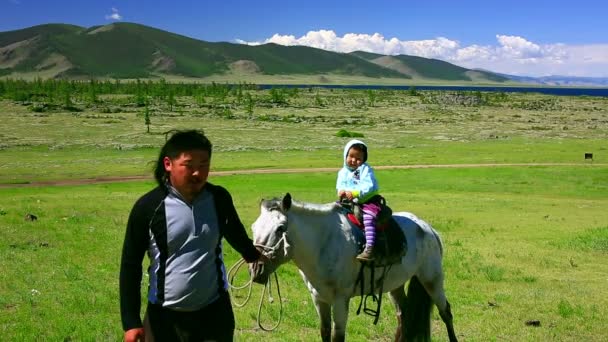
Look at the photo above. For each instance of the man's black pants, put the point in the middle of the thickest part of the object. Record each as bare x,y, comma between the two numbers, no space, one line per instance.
214,322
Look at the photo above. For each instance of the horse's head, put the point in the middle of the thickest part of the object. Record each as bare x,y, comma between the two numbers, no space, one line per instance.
270,237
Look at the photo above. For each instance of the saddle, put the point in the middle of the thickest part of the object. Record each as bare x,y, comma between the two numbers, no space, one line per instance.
390,245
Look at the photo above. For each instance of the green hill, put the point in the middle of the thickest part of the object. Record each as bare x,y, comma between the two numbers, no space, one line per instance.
427,68
128,50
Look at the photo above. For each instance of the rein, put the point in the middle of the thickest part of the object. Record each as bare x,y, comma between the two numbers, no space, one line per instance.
269,252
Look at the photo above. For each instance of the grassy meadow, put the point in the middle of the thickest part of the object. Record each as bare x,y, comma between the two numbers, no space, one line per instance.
522,243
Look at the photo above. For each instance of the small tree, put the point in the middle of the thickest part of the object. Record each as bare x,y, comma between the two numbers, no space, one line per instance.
140,98
239,95
91,95
319,100
249,103
412,91
200,99
171,100
371,94
277,96
67,100
147,118
64,91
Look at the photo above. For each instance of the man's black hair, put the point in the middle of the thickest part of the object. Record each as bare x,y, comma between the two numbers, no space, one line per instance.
178,143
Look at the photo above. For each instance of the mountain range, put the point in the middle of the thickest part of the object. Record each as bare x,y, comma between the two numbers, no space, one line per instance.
129,50
557,80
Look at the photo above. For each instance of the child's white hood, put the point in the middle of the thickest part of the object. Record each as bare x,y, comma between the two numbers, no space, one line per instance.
349,145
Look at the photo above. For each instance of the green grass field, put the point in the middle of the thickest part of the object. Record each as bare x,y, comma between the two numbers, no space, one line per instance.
521,242
111,139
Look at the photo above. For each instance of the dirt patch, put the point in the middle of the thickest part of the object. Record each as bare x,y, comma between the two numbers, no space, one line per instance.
100,180
13,54
244,66
162,63
55,61
476,76
395,64
102,29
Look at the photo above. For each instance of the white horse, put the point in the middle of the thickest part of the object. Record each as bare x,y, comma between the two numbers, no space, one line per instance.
322,243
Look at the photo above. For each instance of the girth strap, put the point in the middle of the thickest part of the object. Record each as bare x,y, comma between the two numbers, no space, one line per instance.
375,298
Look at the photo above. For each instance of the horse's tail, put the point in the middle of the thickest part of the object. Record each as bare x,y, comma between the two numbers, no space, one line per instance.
418,312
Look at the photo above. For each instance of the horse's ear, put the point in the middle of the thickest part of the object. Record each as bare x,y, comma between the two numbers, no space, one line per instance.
286,203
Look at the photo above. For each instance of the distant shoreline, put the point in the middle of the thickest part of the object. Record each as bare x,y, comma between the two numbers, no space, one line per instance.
548,90
120,179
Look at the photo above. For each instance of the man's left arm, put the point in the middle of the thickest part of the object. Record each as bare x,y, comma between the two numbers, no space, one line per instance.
234,231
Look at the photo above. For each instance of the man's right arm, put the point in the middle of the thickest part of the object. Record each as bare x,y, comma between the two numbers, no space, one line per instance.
133,251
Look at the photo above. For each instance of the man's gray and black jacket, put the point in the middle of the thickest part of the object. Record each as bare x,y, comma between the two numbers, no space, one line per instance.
183,242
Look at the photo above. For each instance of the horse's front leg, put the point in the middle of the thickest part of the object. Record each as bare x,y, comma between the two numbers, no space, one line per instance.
400,301
324,312
340,310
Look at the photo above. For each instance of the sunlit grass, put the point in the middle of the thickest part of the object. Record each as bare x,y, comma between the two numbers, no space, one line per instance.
521,242
508,256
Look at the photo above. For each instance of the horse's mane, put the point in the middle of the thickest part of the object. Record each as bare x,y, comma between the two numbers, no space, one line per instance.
303,207
315,208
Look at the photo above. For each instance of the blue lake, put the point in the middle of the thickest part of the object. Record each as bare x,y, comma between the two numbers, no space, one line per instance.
548,90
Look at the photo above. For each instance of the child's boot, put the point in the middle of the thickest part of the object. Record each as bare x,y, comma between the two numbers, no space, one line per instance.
367,254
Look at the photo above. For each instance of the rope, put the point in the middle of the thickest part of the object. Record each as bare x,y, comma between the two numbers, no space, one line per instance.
268,286
232,271
231,274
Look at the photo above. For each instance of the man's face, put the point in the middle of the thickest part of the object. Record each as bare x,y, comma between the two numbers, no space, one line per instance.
354,159
189,172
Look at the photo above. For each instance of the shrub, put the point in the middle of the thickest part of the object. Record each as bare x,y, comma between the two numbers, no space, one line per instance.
38,108
344,133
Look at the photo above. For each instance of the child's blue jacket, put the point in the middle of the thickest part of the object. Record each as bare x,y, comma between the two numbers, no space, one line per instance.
361,181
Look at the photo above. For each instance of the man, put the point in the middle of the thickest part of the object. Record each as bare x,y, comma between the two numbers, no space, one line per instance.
180,224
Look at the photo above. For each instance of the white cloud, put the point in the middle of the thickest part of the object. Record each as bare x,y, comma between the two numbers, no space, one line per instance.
518,47
115,15
511,54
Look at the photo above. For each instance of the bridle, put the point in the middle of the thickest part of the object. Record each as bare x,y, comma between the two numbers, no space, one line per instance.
269,252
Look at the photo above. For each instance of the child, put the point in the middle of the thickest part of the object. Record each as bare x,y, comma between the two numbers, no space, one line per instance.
357,182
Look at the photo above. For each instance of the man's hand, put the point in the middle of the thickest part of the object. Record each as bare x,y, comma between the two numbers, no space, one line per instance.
257,267
135,335
263,258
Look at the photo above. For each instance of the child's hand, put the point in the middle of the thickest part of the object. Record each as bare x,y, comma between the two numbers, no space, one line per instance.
345,194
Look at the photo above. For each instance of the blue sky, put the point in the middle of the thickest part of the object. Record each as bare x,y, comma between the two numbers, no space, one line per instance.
534,37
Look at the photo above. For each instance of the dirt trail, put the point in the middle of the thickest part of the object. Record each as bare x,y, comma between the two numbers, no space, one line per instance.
99,180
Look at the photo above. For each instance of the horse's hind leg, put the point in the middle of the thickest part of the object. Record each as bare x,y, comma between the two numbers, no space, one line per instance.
399,300
446,316
435,290
324,312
